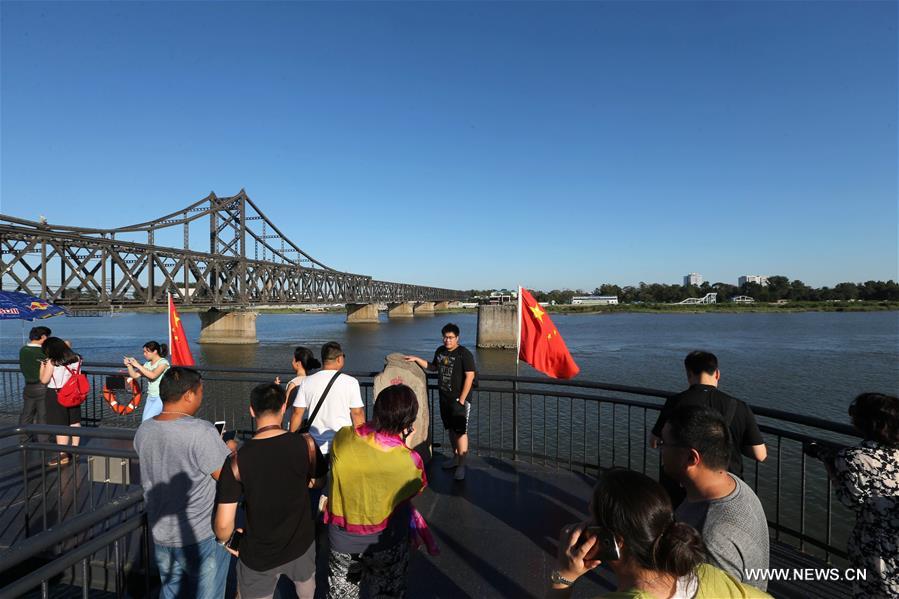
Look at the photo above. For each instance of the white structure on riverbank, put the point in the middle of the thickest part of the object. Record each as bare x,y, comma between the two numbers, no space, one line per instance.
708,298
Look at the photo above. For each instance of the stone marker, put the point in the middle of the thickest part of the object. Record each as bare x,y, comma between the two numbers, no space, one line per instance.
399,372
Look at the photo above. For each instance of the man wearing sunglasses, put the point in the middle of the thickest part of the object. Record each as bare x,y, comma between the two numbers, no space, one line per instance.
695,451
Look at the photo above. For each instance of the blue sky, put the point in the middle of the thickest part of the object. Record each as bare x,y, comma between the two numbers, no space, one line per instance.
471,145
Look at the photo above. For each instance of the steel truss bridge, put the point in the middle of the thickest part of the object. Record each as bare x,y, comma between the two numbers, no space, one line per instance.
249,262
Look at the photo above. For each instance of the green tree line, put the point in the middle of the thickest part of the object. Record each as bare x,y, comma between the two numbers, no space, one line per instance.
779,288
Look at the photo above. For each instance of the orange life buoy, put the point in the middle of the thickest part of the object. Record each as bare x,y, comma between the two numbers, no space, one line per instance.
120,407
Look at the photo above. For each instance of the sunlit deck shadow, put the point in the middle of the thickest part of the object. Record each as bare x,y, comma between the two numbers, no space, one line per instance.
497,531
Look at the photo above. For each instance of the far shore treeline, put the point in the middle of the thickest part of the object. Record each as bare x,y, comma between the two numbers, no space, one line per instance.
778,288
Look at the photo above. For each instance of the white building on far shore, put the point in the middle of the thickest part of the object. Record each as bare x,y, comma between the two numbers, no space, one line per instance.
596,300
694,278
760,279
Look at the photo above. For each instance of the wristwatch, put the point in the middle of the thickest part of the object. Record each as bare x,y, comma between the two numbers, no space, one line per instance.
556,578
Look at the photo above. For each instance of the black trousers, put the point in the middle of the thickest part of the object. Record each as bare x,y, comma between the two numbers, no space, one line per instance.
34,407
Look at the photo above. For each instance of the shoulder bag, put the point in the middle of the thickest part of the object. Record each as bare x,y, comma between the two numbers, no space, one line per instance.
304,428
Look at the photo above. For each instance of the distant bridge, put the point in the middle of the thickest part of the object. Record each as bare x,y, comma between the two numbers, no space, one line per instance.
249,262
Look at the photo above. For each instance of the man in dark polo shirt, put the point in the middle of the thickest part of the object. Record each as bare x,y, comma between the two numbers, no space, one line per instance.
703,376
456,372
34,408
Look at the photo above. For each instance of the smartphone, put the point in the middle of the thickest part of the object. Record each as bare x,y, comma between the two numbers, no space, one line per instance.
606,548
220,426
234,542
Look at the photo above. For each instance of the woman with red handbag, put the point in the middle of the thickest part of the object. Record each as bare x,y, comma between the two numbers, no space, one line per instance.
59,366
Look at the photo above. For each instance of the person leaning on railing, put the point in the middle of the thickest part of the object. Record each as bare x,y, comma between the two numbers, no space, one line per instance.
866,479
703,375
632,526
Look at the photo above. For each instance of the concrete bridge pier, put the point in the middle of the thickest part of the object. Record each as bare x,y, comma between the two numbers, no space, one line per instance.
442,306
424,309
498,326
402,310
362,313
226,327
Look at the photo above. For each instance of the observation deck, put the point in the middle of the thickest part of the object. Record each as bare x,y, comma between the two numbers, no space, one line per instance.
80,530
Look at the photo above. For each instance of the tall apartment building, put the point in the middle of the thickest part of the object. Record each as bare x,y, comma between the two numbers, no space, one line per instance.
760,279
694,278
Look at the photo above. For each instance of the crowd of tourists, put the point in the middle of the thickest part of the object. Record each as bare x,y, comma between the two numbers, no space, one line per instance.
318,476
701,532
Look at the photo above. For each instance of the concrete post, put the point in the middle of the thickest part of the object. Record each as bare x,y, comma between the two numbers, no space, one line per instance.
498,326
426,308
362,313
403,310
227,327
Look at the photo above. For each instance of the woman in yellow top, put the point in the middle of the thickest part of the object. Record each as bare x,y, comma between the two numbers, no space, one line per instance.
653,557
373,476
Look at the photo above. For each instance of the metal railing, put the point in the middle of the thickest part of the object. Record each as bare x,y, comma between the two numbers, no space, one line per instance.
574,425
84,520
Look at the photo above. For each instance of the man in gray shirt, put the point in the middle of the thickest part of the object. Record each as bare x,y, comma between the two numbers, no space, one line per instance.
696,449
180,458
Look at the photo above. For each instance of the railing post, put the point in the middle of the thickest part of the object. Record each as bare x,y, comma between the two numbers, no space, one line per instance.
514,419
25,494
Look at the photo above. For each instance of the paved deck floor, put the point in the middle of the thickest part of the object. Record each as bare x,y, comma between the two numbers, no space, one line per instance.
498,534
497,531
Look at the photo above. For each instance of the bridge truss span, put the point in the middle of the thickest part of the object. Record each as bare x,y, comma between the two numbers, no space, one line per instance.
249,262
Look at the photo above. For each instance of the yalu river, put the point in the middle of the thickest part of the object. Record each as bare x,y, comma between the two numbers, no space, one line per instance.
809,363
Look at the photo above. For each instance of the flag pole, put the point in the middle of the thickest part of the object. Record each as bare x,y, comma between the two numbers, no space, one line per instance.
168,309
518,332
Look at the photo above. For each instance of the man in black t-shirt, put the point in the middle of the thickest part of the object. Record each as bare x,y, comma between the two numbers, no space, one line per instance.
746,439
272,476
455,379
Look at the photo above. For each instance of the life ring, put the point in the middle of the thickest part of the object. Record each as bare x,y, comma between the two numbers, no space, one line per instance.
120,407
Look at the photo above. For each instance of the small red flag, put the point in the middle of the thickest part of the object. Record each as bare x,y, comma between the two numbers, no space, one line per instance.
178,346
541,345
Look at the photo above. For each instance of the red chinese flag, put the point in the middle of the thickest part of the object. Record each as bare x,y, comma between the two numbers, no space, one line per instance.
177,339
541,345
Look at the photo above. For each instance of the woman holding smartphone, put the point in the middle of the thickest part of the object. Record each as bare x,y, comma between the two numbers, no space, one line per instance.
152,369
632,530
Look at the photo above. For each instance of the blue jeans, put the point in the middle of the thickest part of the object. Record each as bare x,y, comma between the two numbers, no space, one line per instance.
152,408
194,571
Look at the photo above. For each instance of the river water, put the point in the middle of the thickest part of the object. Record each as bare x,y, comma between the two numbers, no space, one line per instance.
811,363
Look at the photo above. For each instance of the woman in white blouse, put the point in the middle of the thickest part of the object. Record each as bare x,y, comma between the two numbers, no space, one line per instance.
59,366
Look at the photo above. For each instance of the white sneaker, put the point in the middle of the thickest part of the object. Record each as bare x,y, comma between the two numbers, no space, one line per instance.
460,473
448,464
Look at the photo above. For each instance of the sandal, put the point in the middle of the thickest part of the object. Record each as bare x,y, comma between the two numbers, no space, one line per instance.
61,460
